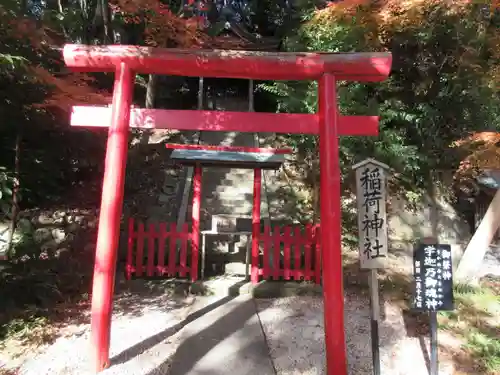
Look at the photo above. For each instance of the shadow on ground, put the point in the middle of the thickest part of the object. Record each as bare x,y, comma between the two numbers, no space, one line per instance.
164,335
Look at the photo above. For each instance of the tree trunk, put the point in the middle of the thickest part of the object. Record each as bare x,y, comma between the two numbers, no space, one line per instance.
150,103
151,91
434,206
15,192
88,11
479,244
60,9
108,32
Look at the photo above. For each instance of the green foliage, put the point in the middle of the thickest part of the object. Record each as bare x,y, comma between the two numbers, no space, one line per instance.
9,62
21,329
439,90
486,348
52,157
34,290
477,308
6,182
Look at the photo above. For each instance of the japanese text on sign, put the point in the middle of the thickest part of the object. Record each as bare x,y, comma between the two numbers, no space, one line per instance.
433,289
371,196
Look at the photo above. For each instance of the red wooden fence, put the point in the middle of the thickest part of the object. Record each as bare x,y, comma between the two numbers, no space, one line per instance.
162,256
287,252
291,253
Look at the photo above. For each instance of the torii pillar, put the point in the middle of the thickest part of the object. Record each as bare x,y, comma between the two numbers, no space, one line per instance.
327,68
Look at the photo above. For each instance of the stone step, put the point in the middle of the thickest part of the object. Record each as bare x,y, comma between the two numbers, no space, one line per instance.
241,189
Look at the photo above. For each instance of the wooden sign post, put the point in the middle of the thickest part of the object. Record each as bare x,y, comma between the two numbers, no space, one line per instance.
372,228
433,288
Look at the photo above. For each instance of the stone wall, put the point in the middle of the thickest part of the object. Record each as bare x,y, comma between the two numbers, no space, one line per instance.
408,223
429,218
47,234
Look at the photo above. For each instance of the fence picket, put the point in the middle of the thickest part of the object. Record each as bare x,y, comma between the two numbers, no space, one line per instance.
307,253
266,254
184,235
277,252
317,246
140,250
130,249
162,236
172,257
286,252
297,247
151,235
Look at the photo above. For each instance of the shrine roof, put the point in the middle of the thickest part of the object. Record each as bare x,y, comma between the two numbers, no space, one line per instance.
227,156
259,65
237,37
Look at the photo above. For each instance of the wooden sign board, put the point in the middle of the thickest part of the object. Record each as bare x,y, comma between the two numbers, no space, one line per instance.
433,278
372,216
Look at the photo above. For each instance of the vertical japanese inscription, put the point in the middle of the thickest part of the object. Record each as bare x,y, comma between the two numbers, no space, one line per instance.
372,220
432,268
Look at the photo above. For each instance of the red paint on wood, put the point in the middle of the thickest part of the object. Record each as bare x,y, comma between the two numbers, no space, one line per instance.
330,219
308,253
266,252
292,252
183,236
251,122
257,187
277,252
317,246
162,236
151,235
130,249
231,64
139,255
229,148
297,247
195,219
110,215
365,67
172,258
156,250
286,252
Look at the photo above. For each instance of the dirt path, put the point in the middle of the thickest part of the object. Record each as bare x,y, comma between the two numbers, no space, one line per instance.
295,334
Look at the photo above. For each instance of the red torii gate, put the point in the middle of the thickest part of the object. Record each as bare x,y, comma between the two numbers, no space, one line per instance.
126,61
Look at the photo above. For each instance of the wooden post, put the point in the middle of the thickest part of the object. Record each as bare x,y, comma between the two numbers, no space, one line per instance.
195,220
257,187
374,320
333,290
433,287
110,216
372,228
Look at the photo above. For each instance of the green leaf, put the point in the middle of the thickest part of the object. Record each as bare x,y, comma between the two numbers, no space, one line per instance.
5,207
7,191
216,28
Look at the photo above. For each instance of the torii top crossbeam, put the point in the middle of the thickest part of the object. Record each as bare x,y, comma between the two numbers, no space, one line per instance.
228,64
362,67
